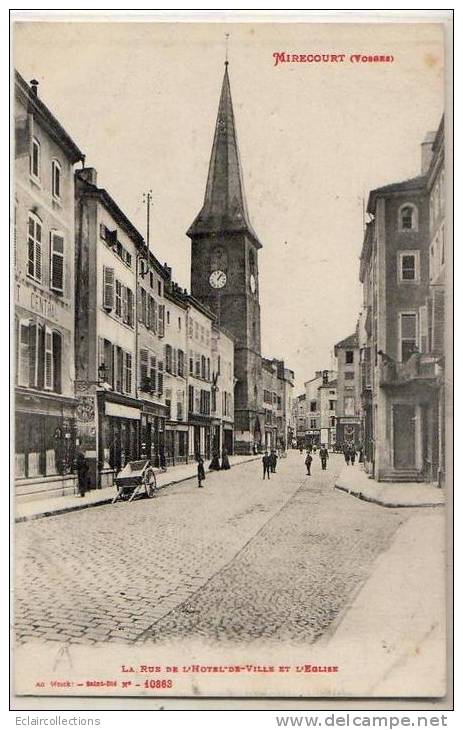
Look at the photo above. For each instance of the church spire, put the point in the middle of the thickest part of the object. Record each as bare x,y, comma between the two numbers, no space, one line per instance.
224,209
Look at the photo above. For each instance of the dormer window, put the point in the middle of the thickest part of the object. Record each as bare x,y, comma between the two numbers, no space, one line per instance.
408,218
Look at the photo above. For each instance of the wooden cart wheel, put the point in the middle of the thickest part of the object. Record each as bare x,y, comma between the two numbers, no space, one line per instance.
150,483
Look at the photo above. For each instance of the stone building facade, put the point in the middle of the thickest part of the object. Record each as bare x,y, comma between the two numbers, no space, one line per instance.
401,372
44,298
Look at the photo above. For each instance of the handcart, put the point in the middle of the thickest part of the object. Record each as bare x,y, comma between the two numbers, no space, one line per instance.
135,477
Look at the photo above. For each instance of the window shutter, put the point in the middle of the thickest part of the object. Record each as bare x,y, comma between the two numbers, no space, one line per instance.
160,377
48,380
56,261
23,352
424,329
108,287
153,372
103,231
57,361
162,320
155,316
38,251
438,320
147,311
130,307
174,361
125,305
143,367
128,372
139,307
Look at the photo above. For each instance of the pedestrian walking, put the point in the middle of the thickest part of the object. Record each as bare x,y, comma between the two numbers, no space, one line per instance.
225,461
353,454
308,462
301,449
324,456
266,465
81,467
215,463
346,451
200,470
273,461
361,455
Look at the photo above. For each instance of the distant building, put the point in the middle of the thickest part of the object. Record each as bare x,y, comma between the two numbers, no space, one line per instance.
299,410
348,405
278,383
401,369
317,405
44,299
327,398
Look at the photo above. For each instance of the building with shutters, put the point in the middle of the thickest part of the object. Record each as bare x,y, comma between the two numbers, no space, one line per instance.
278,383
401,372
151,345
348,404
222,389
176,374
44,276
199,341
109,255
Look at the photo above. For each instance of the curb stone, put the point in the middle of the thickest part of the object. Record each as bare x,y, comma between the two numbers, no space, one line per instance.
108,500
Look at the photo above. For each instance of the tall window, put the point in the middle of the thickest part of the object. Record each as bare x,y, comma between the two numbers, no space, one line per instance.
408,265
35,158
407,334
34,247
349,357
56,179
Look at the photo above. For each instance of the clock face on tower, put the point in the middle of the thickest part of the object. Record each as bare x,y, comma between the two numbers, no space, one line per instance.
252,283
218,279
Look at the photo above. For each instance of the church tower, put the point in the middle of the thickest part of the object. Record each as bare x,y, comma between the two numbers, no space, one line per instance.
224,270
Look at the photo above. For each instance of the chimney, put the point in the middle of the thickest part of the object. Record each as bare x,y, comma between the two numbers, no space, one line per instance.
426,152
88,174
34,84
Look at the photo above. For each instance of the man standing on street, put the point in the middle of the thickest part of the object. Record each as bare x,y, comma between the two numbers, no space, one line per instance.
353,454
266,465
308,462
324,456
273,461
201,472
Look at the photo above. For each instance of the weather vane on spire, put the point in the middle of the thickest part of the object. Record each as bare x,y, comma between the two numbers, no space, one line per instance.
227,35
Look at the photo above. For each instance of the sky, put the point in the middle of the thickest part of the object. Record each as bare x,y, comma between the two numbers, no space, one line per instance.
140,99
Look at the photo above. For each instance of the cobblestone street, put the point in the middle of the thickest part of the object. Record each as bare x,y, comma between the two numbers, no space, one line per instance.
238,560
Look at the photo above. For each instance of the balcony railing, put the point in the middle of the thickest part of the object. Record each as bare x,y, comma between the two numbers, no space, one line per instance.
417,367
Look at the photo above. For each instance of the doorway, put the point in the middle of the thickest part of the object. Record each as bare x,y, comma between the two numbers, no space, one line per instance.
404,436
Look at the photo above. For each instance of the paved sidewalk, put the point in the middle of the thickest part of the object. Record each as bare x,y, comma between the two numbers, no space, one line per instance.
355,481
400,616
36,509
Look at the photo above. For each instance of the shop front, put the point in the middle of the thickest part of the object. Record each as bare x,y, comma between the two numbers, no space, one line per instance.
119,434
45,437
153,433
348,430
227,438
199,438
176,443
